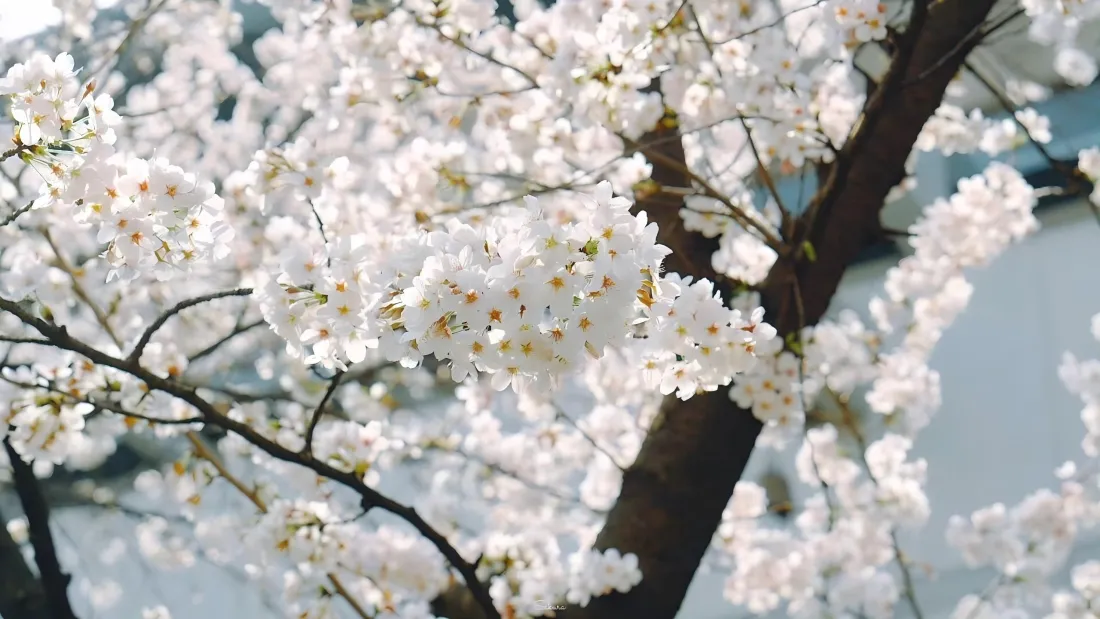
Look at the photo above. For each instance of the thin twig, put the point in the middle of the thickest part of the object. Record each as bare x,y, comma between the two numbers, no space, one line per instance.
177,308
369,497
18,150
588,437
82,294
17,213
500,470
772,24
307,449
979,31
131,33
483,55
742,217
203,451
849,420
24,340
209,350
107,406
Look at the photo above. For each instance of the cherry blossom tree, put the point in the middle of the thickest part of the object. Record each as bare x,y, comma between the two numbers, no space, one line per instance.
469,309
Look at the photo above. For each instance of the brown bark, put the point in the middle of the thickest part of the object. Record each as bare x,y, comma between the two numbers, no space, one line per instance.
674,493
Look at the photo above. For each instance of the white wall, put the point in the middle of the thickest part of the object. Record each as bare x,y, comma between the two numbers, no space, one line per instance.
1007,422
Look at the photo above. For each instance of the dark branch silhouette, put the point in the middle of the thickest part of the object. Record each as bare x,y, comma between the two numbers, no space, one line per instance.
55,583
21,593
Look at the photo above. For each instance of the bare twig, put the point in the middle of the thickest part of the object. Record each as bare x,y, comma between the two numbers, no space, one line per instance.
17,213
201,450
307,449
772,24
849,421
131,33
563,416
978,32
369,497
739,214
483,55
82,294
18,150
211,349
175,309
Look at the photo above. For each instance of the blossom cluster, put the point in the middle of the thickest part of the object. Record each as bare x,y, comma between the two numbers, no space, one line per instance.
836,559
1029,543
153,217
524,304
370,160
814,568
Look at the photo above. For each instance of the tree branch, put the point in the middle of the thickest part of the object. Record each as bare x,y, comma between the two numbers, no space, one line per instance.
21,594
135,356
55,583
211,349
203,451
13,152
673,495
15,214
370,498
307,449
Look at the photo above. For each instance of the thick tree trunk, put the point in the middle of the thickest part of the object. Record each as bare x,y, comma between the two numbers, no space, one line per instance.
673,495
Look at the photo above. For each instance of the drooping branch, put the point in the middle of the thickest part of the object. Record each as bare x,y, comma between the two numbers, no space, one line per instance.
55,582
370,498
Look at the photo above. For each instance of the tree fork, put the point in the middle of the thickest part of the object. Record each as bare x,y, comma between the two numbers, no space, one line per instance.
674,493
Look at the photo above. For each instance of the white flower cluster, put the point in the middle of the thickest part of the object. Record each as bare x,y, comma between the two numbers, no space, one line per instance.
429,109
1084,601
537,580
1088,161
406,568
865,20
951,130
1082,378
1059,24
697,343
154,217
596,573
928,290
1029,543
524,304
40,428
835,560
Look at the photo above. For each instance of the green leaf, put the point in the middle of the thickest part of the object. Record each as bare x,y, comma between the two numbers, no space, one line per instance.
811,253
794,343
